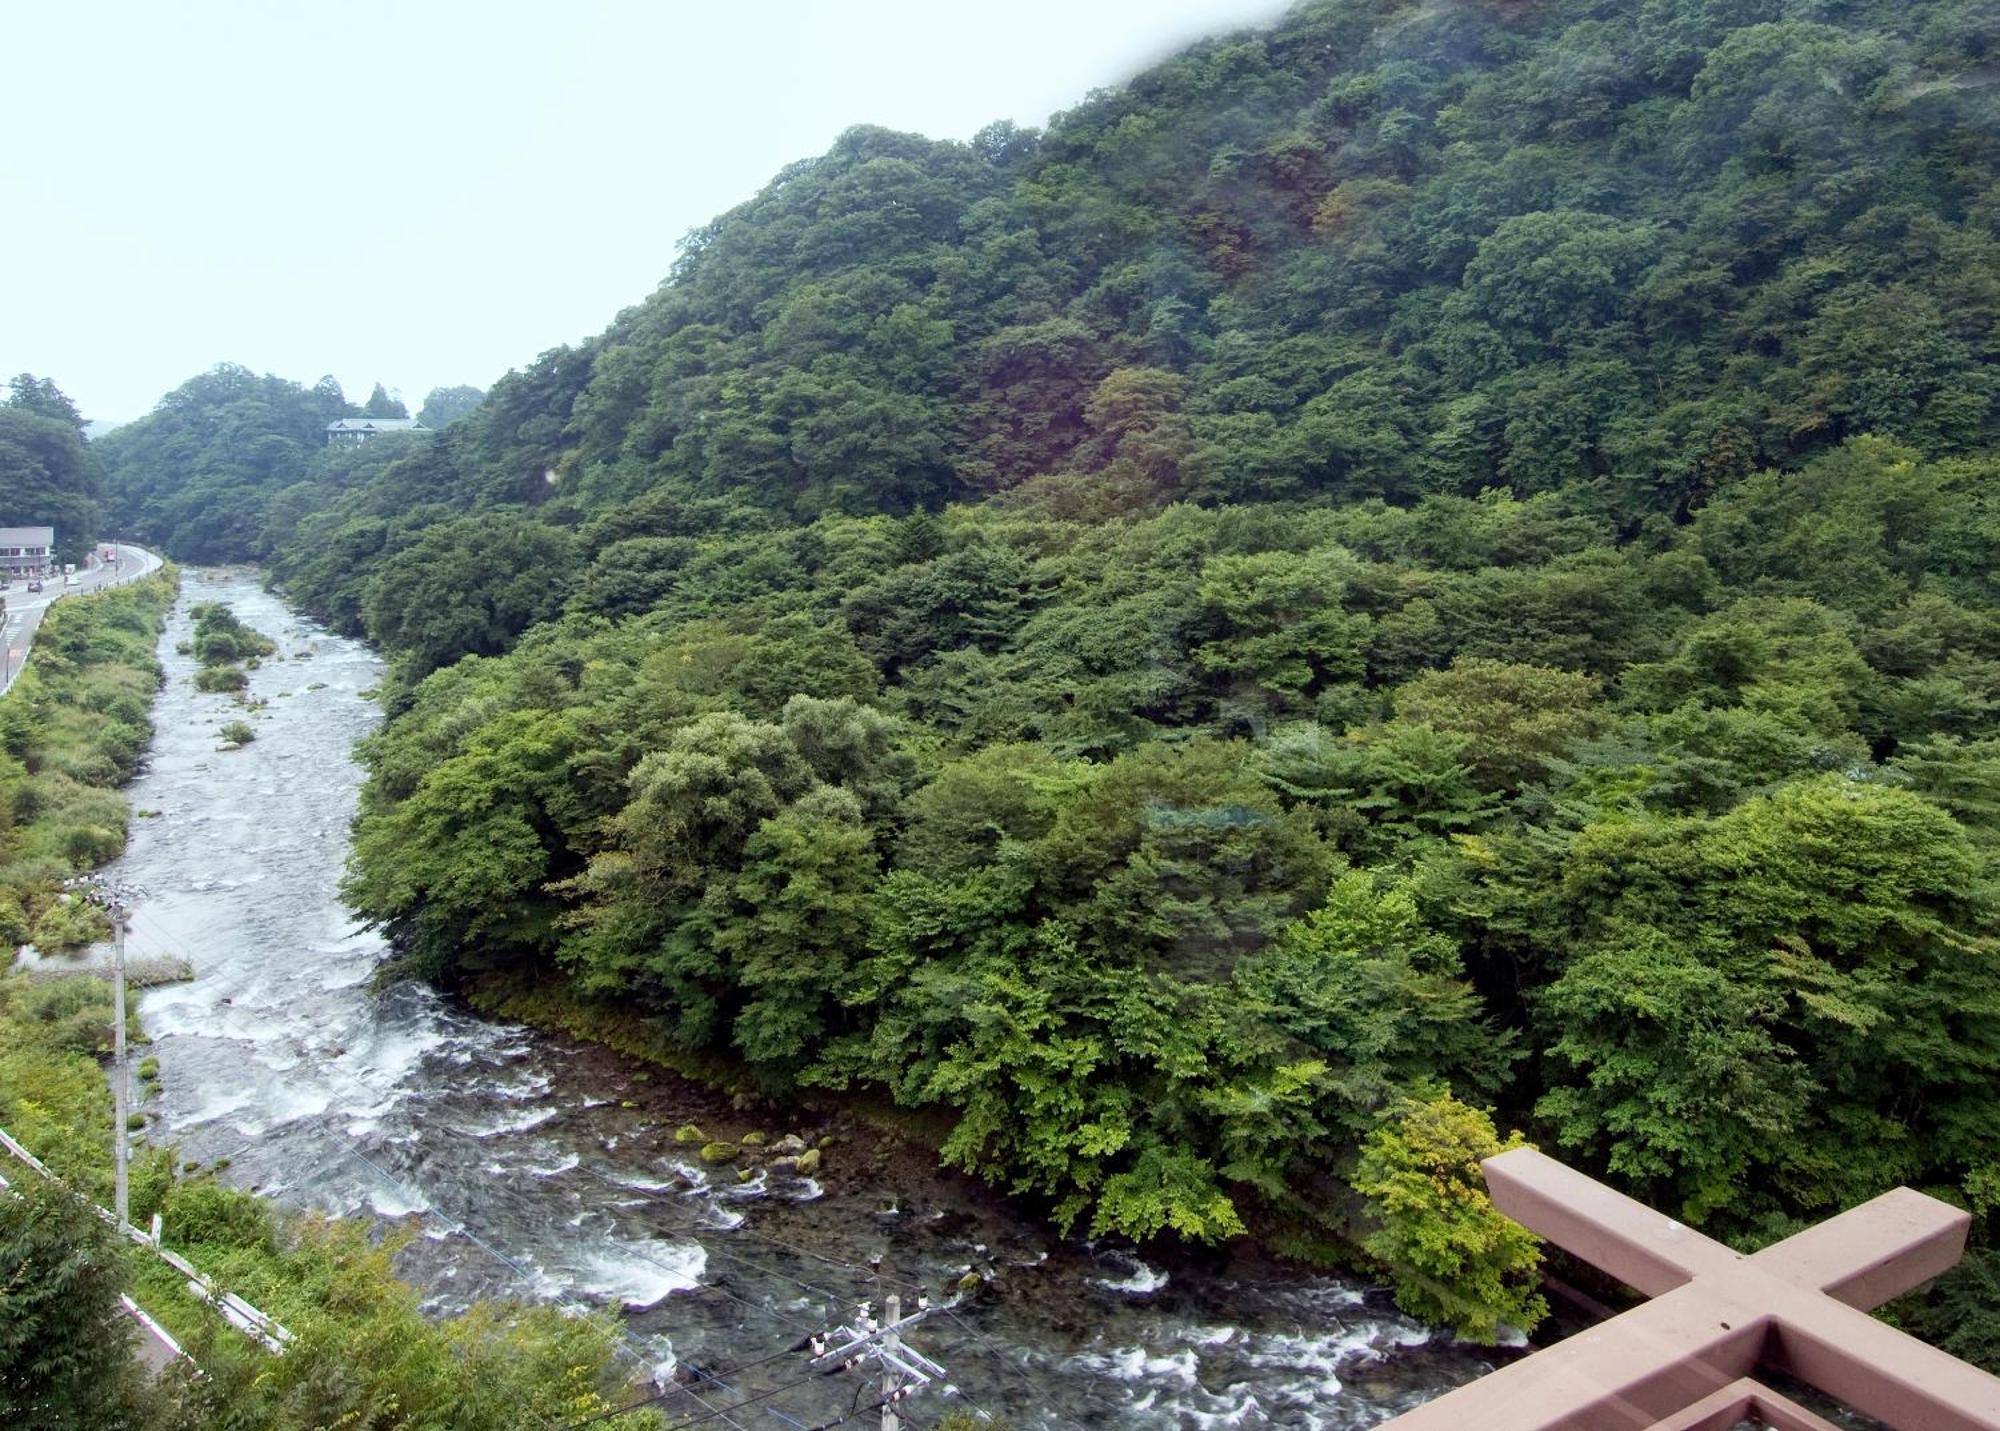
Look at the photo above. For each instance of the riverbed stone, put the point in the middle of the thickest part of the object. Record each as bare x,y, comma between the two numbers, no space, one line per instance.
690,1133
790,1145
718,1153
807,1164
753,1139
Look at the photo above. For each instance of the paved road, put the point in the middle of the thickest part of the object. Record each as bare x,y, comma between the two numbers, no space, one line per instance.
25,608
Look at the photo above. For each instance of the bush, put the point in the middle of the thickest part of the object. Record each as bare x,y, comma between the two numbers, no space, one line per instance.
239,731
14,929
220,638
220,678
205,1213
69,1015
87,846
1454,1257
65,1359
66,926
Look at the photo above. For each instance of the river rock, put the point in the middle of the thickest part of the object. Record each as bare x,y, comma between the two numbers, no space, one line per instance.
790,1145
753,1139
690,1133
807,1164
712,1153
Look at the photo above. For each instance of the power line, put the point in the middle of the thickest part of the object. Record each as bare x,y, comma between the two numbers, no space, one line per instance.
321,1120
799,1282
1037,1396
319,1124
663,1395
621,1344
377,1094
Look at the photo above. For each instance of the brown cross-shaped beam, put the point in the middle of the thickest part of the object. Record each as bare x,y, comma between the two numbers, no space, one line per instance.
1799,1306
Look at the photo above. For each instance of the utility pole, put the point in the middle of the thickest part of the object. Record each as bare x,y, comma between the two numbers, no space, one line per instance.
904,1371
892,1343
118,1085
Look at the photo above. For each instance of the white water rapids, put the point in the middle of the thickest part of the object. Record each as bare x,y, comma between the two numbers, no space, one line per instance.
517,1157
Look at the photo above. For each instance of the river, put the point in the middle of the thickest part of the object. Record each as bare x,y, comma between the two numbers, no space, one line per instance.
533,1166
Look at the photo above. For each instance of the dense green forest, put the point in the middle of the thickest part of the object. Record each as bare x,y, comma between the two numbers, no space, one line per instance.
1435,557
228,460
49,476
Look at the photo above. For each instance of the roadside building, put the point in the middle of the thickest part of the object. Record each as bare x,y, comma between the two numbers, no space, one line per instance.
354,430
27,551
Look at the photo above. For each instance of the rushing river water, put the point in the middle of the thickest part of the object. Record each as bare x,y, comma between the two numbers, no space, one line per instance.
534,1167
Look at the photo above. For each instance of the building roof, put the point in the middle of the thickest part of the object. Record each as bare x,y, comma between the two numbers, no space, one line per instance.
27,536
376,424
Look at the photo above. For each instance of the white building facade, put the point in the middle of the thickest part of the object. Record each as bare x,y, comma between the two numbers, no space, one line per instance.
27,551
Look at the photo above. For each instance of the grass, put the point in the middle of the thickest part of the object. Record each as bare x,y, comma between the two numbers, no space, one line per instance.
72,731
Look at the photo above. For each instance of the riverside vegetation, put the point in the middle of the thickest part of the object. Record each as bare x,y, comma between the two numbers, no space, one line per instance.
73,728
1429,559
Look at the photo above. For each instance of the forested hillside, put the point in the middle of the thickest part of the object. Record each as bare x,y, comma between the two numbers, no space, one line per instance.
48,475
1438,548
229,461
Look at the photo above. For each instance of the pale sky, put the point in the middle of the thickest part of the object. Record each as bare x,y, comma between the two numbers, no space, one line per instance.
431,192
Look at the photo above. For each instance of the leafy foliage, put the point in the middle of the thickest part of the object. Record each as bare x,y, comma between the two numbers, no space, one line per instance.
364,1352
72,729
65,1358
1419,548
49,476
1456,1260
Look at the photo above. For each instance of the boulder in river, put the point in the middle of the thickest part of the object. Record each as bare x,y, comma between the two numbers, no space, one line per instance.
718,1153
690,1133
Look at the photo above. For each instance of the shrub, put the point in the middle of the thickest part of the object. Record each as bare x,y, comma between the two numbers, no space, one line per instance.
65,1360
86,846
14,927
1454,1257
206,1213
239,731
220,638
220,678
65,926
